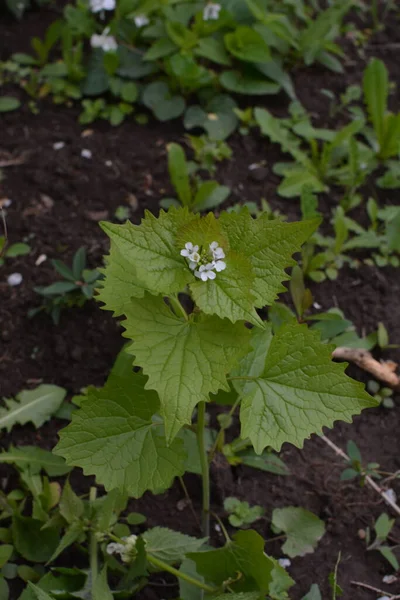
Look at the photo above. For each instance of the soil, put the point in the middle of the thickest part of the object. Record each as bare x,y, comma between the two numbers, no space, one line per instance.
58,197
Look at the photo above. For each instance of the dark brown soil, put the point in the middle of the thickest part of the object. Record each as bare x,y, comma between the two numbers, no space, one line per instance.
58,197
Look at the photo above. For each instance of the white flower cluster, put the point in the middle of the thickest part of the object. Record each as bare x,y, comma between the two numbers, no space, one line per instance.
206,262
141,21
127,550
100,5
211,11
106,42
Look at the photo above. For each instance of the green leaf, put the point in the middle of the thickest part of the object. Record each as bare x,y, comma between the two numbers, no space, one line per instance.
34,406
120,284
6,551
158,98
217,118
161,48
38,593
71,506
376,91
113,436
383,526
178,172
249,84
299,391
71,535
150,250
101,589
244,555
217,197
79,263
31,541
19,249
35,459
9,103
97,79
303,529
248,45
267,461
390,557
170,546
296,180
185,360
135,518
313,594
213,50
4,589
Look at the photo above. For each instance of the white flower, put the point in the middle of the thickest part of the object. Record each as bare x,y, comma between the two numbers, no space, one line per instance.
211,11
86,153
384,598
99,5
14,279
189,250
205,272
284,562
58,145
216,251
141,21
107,43
219,265
114,548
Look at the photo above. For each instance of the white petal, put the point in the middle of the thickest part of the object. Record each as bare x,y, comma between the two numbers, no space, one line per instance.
185,253
192,265
202,268
204,276
197,274
209,266
220,266
211,275
141,21
219,253
213,246
58,145
86,153
108,4
189,246
195,257
195,248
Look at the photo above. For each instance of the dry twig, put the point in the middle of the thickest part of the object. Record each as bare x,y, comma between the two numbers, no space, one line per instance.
368,479
385,371
374,589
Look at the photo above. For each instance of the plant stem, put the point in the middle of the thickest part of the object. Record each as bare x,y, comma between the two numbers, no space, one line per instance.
177,306
166,567
205,468
220,435
93,543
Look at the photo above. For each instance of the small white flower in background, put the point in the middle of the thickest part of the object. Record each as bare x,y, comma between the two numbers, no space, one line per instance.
127,550
99,5
14,279
115,548
107,43
58,145
211,11
390,495
205,261
141,21
284,562
384,598
86,153
108,163
389,579
217,528
5,203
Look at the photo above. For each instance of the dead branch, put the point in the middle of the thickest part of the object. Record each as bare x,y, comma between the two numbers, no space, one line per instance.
385,370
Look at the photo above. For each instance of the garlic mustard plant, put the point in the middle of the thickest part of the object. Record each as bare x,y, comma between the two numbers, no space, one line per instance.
189,288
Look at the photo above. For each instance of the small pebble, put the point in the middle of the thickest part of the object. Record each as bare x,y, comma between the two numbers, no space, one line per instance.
86,153
58,145
5,203
108,163
317,306
284,562
217,528
14,279
40,259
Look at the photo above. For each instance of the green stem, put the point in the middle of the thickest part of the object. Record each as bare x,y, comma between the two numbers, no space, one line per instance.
220,435
177,306
205,468
93,543
166,567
